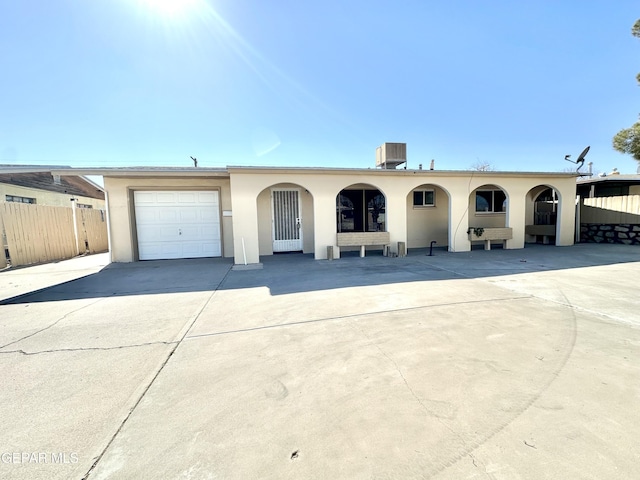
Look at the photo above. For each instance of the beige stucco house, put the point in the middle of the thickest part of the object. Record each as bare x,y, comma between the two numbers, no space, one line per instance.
36,185
248,212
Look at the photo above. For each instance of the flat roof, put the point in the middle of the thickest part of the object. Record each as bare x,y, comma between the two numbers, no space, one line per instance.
611,178
225,171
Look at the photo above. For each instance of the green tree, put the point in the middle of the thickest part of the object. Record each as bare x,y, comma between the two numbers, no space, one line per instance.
628,140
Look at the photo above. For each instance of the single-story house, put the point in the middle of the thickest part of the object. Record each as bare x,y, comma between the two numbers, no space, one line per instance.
611,185
35,184
246,212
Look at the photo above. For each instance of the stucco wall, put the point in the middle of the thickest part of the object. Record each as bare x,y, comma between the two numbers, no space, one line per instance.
265,215
44,197
325,184
246,193
120,203
425,224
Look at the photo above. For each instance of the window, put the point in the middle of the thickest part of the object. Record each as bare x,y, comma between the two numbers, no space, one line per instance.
424,198
491,201
18,199
360,211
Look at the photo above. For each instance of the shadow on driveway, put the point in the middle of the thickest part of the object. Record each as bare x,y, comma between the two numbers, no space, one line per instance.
294,273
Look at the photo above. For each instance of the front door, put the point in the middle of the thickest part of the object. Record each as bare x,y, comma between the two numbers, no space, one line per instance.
287,228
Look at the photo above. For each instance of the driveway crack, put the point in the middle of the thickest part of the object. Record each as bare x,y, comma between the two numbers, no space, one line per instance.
50,325
160,369
88,349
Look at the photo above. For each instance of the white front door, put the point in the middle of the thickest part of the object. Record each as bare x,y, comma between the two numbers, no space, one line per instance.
287,224
177,224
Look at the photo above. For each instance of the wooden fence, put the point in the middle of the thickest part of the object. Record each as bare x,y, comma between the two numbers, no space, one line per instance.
611,210
40,234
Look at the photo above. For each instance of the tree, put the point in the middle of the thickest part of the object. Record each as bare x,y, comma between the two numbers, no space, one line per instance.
627,140
482,166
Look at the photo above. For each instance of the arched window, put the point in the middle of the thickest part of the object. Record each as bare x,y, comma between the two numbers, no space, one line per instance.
361,210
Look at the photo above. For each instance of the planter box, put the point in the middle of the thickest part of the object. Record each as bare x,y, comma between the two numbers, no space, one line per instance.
489,234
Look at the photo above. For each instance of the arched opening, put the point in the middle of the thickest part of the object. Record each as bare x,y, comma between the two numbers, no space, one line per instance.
361,219
488,205
361,208
285,219
427,216
542,207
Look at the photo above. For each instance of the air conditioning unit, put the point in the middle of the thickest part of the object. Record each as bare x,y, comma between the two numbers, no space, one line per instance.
390,155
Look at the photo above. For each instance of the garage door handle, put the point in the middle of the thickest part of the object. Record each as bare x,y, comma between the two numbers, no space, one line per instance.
179,231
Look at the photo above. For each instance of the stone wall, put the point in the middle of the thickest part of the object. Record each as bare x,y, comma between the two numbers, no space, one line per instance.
628,234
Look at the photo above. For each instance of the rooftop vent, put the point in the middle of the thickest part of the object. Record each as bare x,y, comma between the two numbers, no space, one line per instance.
390,155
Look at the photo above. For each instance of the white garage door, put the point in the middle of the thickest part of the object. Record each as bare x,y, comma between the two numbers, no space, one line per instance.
180,224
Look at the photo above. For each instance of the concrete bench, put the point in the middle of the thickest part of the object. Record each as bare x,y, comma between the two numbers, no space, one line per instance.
363,239
489,234
547,231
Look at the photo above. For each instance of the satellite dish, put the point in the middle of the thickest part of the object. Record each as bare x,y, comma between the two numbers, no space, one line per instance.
582,155
580,161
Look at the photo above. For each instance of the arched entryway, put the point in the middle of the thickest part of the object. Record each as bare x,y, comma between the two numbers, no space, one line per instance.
488,206
541,216
285,219
361,218
427,216
361,208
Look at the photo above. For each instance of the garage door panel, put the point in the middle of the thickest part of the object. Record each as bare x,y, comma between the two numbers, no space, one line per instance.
210,198
167,216
142,198
210,249
188,198
189,215
146,216
166,197
208,216
177,224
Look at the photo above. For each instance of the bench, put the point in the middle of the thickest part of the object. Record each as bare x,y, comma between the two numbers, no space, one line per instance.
488,234
363,239
547,231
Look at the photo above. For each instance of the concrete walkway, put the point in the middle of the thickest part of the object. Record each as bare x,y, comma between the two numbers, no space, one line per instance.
502,365
23,280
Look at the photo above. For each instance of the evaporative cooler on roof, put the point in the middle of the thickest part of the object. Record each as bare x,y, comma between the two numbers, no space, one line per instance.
390,155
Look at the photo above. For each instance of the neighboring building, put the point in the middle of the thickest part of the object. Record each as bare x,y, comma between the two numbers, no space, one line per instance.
36,185
247,212
610,209
611,185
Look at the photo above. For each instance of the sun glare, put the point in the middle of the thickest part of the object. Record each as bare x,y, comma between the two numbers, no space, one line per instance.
172,8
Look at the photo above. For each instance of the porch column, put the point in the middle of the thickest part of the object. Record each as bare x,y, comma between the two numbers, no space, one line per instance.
566,225
324,229
396,219
459,220
516,217
245,223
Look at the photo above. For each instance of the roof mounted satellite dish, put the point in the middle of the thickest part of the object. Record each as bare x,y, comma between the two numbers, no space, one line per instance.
580,161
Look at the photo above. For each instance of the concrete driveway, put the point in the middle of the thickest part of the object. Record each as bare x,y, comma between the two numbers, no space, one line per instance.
515,364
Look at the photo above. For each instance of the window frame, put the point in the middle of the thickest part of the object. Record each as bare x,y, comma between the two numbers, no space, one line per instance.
423,191
19,199
493,202
362,208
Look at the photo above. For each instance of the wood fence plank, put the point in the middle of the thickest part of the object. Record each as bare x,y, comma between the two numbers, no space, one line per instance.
3,258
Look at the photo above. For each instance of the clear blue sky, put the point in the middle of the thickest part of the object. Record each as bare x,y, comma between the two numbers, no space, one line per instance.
316,83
